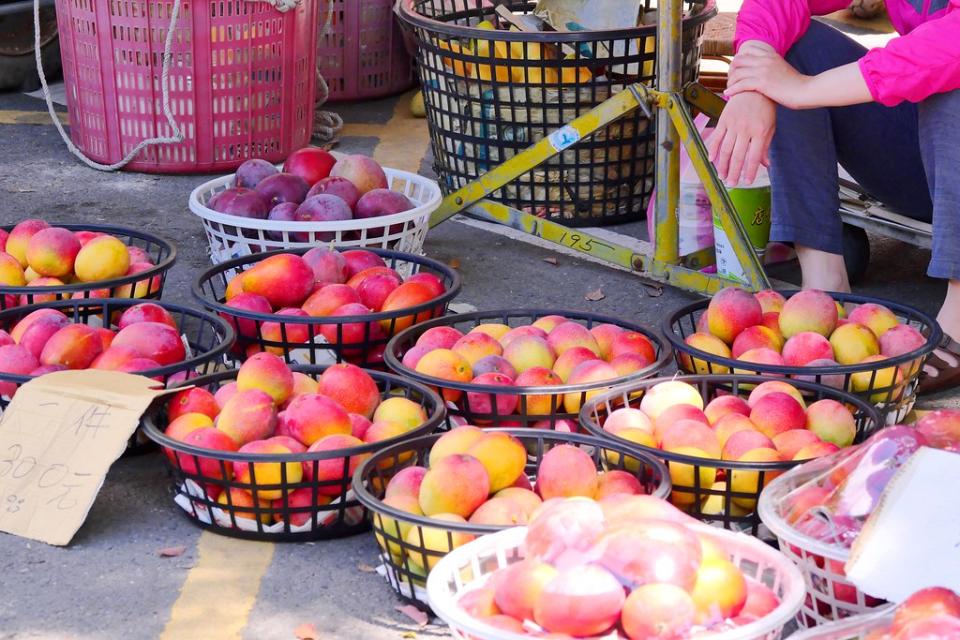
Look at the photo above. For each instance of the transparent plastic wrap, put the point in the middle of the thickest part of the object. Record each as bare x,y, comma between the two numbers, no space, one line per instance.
833,496
817,510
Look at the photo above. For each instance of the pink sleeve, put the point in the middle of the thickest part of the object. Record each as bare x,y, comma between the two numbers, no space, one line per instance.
920,64
780,23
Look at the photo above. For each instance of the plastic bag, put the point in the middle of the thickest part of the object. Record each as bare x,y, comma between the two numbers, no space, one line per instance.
832,497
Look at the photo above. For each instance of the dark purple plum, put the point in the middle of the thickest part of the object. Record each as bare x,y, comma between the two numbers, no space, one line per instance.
337,186
283,212
382,202
321,208
284,187
242,202
251,172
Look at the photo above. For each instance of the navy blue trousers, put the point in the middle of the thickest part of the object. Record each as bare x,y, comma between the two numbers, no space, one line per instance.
907,156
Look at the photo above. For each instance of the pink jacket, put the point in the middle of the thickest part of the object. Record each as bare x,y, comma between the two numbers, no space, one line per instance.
924,61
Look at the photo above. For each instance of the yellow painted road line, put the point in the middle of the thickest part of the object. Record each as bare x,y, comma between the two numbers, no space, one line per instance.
13,116
404,140
221,589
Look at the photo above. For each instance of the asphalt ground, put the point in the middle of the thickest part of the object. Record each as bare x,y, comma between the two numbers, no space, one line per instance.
111,582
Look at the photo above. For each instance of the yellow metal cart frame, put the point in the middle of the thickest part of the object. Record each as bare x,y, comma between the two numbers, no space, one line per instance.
665,264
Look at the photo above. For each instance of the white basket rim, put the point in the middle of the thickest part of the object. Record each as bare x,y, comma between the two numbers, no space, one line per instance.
772,495
202,211
444,603
843,628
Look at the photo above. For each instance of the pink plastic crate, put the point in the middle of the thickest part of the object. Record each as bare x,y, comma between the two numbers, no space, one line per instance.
361,51
242,80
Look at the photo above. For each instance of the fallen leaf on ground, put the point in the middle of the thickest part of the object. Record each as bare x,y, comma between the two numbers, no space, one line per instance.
413,613
408,634
363,566
552,261
593,296
454,263
171,552
306,631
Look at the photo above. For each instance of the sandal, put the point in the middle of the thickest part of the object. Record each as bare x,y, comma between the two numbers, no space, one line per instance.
939,373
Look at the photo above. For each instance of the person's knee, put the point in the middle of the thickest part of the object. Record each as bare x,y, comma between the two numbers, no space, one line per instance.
821,48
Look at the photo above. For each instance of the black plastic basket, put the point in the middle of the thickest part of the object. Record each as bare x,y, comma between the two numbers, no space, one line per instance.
371,478
343,516
468,414
145,285
209,337
893,401
210,290
691,495
490,94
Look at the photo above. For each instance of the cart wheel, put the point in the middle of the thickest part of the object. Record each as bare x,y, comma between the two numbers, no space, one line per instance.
18,66
856,251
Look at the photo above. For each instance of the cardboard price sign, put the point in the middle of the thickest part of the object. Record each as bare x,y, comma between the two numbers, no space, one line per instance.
58,438
912,539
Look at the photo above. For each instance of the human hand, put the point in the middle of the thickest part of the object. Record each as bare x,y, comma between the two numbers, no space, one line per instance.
757,67
741,141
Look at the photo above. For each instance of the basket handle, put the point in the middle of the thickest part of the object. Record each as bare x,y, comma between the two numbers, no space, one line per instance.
279,5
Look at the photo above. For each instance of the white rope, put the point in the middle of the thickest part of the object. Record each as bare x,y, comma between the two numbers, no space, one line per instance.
326,124
280,5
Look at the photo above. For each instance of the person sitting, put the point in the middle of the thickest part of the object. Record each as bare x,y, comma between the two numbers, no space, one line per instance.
803,97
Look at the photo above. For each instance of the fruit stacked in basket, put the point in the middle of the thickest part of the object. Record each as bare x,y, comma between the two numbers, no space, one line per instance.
317,197
435,493
525,368
267,449
627,569
166,342
41,263
818,509
321,300
869,347
932,613
724,438
314,186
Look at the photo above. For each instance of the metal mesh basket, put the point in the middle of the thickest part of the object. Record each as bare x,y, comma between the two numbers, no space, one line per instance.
492,93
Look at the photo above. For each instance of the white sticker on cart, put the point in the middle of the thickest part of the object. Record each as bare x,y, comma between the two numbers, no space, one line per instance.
564,137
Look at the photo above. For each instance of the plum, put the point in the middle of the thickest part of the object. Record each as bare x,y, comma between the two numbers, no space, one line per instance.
337,186
321,208
283,187
382,202
251,172
283,212
241,202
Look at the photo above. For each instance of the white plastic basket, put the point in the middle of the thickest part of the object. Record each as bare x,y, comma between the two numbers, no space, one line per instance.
231,236
855,628
830,596
469,566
